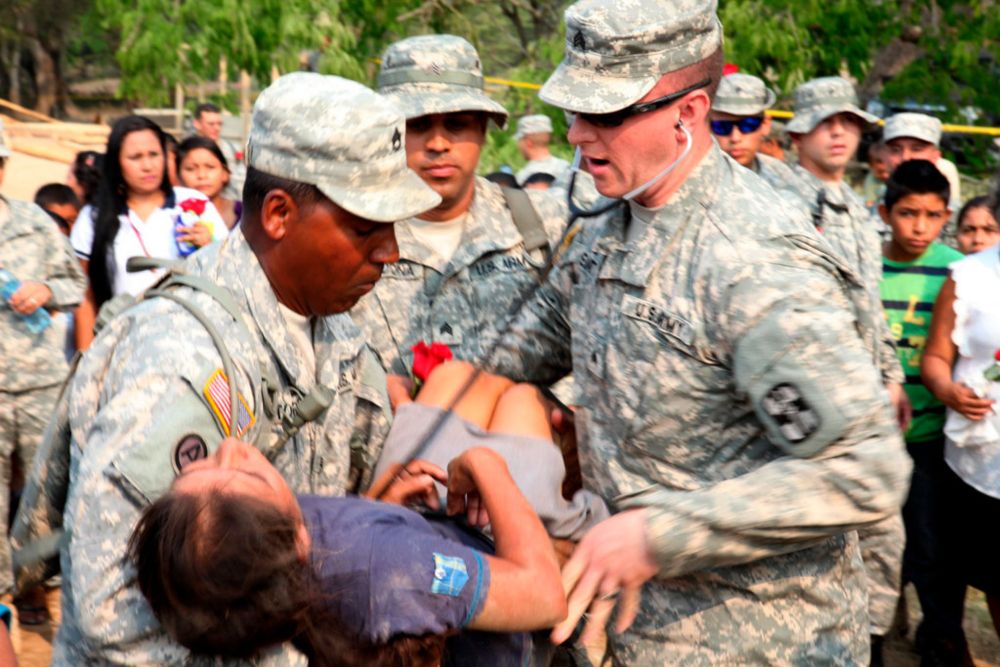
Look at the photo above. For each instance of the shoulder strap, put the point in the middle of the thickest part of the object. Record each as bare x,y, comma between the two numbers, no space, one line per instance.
526,219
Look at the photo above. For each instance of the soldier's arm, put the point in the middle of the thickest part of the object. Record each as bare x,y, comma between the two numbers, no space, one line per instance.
153,417
840,462
62,273
892,370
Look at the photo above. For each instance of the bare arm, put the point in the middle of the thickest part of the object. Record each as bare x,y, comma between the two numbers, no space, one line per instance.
939,359
525,590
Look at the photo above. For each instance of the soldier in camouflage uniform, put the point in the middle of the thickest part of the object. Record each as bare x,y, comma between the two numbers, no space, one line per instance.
742,97
326,170
533,136
465,264
730,414
32,366
826,130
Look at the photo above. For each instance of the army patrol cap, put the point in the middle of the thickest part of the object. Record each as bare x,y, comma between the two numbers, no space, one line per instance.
4,151
341,137
916,125
536,124
743,95
433,74
817,100
617,50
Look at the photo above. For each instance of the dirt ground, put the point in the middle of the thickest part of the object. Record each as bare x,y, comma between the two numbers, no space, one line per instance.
36,642
24,174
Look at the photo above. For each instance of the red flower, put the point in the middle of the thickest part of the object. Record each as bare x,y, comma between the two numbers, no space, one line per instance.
197,206
239,156
996,355
427,357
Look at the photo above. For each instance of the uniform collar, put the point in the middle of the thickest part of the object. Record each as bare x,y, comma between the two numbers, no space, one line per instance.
488,228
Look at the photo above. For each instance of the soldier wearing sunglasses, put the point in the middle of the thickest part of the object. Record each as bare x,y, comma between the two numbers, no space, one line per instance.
740,125
728,412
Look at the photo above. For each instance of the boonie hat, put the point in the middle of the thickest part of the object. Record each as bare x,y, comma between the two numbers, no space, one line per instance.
617,50
916,125
341,137
436,74
4,151
817,100
743,95
536,124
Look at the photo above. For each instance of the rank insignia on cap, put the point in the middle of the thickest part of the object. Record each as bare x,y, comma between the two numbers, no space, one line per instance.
217,394
795,417
189,449
450,575
397,140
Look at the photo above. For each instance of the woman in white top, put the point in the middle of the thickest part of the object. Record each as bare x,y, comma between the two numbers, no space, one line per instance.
964,343
137,213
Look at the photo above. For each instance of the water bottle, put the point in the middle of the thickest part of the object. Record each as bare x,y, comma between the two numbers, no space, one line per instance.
37,321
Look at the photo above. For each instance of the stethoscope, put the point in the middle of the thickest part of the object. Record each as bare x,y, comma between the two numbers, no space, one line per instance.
575,214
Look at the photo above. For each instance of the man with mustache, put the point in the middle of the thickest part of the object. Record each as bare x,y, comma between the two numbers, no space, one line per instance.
826,131
729,412
464,265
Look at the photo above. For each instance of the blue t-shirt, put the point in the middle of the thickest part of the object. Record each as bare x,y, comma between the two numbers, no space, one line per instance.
388,572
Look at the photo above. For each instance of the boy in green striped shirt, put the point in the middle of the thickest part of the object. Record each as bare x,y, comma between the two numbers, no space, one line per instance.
914,267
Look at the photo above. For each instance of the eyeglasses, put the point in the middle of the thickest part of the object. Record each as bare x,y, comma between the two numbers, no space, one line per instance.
616,118
724,128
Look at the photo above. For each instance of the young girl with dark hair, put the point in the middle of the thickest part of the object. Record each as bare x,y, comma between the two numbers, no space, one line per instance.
232,562
84,175
137,213
202,166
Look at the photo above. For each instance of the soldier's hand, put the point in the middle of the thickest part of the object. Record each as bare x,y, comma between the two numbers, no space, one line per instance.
400,389
608,568
199,234
410,485
29,297
901,405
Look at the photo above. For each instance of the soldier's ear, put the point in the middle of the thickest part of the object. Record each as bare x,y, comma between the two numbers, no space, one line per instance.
278,210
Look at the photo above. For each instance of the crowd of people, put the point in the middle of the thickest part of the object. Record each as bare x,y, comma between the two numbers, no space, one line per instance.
693,393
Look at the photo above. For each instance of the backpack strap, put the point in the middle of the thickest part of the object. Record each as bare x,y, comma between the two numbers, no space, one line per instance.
526,219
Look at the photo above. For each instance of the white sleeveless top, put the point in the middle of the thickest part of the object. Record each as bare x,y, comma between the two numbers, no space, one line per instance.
973,448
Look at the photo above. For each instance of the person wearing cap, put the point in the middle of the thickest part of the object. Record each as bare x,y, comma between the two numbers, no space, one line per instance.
826,131
740,124
32,365
464,265
151,395
534,133
917,136
728,412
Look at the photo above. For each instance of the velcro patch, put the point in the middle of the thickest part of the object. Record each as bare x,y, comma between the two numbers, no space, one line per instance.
665,322
796,419
450,575
216,392
189,449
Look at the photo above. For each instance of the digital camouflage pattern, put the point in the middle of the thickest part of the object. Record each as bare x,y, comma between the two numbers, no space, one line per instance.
772,169
32,366
552,165
849,228
433,74
723,385
617,51
4,151
818,99
352,147
463,302
915,125
534,124
139,409
743,95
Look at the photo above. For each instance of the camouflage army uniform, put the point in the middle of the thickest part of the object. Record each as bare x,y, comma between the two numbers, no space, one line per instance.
462,301
32,367
145,399
722,383
680,345
849,228
773,170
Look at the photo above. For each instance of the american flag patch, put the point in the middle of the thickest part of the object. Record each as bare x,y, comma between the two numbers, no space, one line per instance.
217,393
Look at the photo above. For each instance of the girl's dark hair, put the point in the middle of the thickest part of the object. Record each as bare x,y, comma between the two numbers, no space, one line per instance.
198,141
223,575
86,168
112,194
982,201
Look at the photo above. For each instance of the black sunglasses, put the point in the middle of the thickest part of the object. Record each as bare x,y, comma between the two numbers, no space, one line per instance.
616,118
724,128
